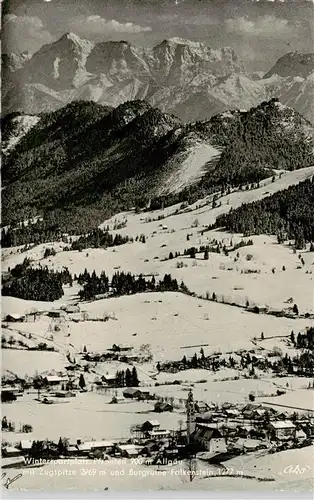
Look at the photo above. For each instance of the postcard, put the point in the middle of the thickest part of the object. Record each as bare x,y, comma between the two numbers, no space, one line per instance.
157,246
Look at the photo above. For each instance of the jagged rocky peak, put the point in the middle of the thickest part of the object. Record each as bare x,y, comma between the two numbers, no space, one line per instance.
73,40
293,64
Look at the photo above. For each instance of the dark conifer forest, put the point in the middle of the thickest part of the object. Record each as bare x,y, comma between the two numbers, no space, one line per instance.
289,214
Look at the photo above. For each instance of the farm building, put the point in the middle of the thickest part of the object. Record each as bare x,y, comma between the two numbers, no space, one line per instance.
248,444
26,445
120,348
65,394
150,425
159,434
300,435
56,313
151,448
11,451
55,380
71,309
132,392
90,446
282,430
109,379
129,450
14,318
201,407
161,407
8,395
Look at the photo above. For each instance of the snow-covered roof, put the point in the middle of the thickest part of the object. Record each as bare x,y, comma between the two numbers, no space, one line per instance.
56,378
154,423
131,390
300,434
282,424
89,445
11,449
26,444
15,316
247,443
130,448
159,432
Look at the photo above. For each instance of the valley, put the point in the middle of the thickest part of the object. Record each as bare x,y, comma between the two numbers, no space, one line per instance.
158,328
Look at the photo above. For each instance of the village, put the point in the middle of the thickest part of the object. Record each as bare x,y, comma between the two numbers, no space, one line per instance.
210,432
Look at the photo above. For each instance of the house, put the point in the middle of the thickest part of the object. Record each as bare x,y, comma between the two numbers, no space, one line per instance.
129,450
150,425
300,435
56,313
151,448
258,309
65,394
277,312
309,429
55,380
120,348
249,411
247,444
209,438
71,309
90,446
161,407
72,450
145,394
201,407
11,451
159,434
232,412
26,445
14,318
109,379
8,395
132,392
128,358
282,430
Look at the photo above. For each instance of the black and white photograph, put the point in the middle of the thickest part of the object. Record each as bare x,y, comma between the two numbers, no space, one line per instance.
157,247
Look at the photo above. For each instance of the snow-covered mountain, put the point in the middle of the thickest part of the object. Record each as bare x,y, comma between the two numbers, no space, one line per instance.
179,76
293,64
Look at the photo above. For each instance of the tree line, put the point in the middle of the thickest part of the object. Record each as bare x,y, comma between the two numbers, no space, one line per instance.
123,283
39,283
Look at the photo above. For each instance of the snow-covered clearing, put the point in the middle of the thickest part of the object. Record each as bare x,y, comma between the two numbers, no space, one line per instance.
192,168
22,125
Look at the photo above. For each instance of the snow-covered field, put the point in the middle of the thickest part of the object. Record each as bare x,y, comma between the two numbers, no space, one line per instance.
281,471
171,323
86,416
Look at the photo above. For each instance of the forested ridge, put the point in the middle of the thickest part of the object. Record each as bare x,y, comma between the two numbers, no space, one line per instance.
289,214
82,164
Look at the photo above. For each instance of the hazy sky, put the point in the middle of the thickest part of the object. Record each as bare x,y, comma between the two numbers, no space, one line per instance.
260,31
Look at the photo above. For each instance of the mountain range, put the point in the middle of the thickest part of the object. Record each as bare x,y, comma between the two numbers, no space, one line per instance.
84,162
184,78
